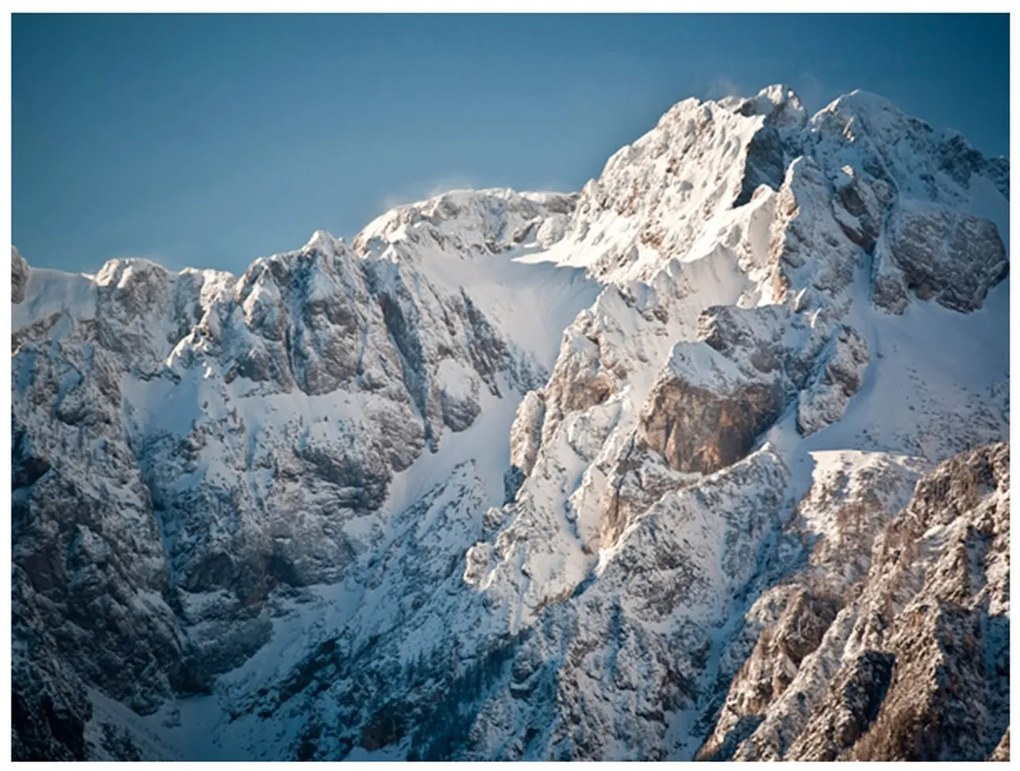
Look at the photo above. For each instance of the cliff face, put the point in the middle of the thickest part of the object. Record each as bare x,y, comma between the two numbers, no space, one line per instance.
623,474
904,656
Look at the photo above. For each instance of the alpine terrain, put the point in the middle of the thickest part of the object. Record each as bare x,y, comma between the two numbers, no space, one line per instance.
707,461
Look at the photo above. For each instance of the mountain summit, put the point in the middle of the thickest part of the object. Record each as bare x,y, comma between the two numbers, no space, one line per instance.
707,460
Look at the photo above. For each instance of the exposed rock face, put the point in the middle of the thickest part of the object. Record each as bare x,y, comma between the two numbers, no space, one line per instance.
889,657
714,398
621,474
950,637
772,147
49,706
813,263
850,707
962,162
888,166
702,430
786,638
839,375
583,377
525,439
770,668
142,379
751,335
667,575
19,276
860,205
943,255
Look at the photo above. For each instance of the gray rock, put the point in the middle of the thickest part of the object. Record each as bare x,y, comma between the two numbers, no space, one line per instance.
839,372
19,276
946,256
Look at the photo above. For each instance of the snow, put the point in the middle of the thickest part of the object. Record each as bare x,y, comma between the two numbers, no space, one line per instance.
927,366
485,443
200,726
50,292
523,300
701,365
986,201
148,738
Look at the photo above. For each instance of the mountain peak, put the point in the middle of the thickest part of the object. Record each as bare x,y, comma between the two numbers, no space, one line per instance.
863,111
123,269
324,241
780,105
861,100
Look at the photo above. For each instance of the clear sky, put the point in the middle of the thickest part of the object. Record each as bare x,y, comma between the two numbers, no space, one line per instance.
210,140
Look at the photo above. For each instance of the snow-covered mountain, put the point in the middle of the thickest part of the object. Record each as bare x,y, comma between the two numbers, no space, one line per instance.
705,461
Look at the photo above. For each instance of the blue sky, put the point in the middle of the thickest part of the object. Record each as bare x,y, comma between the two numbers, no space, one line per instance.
210,140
